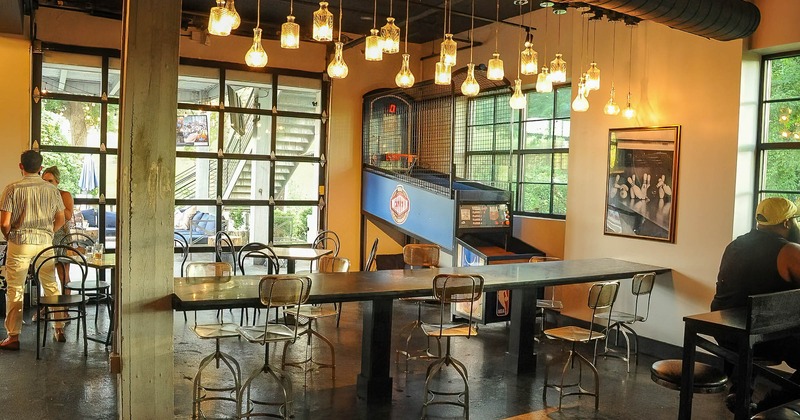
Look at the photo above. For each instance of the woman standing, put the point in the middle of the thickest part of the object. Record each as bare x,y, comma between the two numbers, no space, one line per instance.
53,176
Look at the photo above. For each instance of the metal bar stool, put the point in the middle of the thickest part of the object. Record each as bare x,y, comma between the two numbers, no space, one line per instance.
423,256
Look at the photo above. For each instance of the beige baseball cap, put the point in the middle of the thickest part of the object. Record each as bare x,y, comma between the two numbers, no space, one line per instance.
774,210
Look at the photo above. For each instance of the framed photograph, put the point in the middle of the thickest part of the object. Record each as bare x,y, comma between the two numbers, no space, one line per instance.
192,130
642,188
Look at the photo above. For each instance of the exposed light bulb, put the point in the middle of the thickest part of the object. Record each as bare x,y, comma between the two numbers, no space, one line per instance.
543,83
580,104
290,34
236,20
374,46
470,87
593,77
442,74
323,23
256,56
629,112
404,78
449,50
495,70
390,34
558,70
220,20
337,69
611,107
528,60
517,100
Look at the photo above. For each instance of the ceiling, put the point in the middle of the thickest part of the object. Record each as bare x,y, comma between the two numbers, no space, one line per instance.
425,22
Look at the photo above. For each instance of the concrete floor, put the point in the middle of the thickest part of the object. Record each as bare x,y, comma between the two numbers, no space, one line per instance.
65,385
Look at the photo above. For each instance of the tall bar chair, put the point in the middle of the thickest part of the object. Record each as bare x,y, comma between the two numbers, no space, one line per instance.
257,251
221,273
601,299
182,246
447,289
417,256
309,314
641,288
96,289
274,291
551,302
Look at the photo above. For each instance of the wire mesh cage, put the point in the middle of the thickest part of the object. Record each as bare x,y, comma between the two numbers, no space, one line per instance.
420,135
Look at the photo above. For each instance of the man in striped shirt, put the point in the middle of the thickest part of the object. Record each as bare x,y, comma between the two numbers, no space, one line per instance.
31,209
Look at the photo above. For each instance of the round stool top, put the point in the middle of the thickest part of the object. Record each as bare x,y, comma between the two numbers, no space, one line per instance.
707,379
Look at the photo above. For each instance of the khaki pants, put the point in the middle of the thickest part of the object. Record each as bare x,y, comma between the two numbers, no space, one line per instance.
18,259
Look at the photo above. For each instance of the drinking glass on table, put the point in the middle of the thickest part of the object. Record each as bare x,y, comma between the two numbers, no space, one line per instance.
97,251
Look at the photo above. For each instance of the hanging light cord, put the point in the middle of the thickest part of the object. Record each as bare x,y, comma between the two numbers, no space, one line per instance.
613,52
258,14
471,29
519,36
496,25
391,8
450,17
374,14
444,21
594,38
405,49
630,60
291,7
545,36
587,41
339,38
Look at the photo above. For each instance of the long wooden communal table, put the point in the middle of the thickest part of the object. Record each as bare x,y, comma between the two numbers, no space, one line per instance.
380,288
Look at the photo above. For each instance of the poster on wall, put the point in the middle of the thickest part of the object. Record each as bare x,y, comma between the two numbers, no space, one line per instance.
192,130
642,182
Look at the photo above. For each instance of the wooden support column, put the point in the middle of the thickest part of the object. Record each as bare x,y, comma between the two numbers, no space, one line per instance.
146,192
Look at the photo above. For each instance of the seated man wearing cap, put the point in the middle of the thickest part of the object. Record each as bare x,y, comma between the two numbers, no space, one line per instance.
764,260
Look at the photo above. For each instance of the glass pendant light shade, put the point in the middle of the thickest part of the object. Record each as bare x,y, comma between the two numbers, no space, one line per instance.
323,23
495,70
233,14
442,74
611,107
404,78
390,35
528,60
629,112
543,83
470,87
517,100
558,70
593,77
581,104
449,50
337,69
219,20
373,50
256,56
290,34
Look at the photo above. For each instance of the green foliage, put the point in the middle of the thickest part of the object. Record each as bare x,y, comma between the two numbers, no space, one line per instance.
69,164
781,168
291,225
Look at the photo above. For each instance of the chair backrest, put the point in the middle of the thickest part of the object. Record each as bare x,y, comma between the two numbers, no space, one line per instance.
258,250
371,257
421,255
641,287
542,258
225,250
777,313
46,259
602,296
329,264
287,291
209,269
182,248
327,239
456,288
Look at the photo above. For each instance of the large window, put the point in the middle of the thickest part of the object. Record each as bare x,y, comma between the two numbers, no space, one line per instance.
526,152
250,147
779,139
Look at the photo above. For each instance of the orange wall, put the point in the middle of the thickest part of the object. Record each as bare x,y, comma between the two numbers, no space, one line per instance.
15,106
779,30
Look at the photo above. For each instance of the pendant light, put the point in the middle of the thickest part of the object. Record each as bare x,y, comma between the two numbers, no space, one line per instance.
581,104
558,67
470,87
529,59
593,74
256,56
611,107
290,31
629,112
220,21
495,69
442,74
337,69
449,49
390,34
543,82
233,14
517,100
374,45
323,23
404,78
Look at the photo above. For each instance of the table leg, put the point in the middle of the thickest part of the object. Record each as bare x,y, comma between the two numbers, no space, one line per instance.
290,266
521,352
743,379
687,373
374,381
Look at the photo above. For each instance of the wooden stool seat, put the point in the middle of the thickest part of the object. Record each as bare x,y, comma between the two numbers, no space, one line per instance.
707,379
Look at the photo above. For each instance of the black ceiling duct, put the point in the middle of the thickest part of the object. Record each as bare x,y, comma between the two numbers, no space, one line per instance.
723,20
